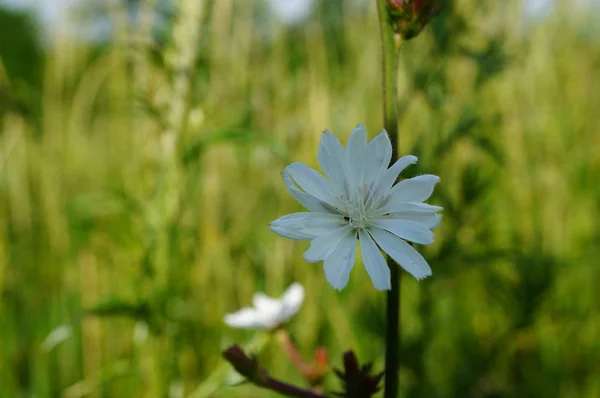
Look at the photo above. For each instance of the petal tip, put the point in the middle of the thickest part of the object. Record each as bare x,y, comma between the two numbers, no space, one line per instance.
231,320
294,295
338,287
424,276
310,260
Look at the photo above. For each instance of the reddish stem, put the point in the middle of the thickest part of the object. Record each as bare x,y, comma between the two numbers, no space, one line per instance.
290,349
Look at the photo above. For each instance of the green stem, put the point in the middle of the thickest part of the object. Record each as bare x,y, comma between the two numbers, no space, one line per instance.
390,43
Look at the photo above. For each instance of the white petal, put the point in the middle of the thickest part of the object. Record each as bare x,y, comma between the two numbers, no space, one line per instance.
292,226
389,177
270,321
417,189
264,303
430,220
57,336
379,153
313,183
402,253
339,264
244,318
374,262
332,160
407,207
319,223
268,310
405,229
308,201
322,246
305,225
292,300
356,155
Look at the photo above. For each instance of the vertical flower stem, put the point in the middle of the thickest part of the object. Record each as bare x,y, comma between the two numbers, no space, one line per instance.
390,43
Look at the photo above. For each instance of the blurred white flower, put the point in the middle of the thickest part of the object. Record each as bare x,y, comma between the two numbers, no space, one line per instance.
537,8
57,336
268,313
291,11
358,200
140,333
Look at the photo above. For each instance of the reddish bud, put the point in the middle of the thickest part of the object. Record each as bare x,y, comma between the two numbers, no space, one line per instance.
321,356
315,372
411,16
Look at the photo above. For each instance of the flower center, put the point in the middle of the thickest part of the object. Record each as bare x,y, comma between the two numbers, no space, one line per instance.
360,205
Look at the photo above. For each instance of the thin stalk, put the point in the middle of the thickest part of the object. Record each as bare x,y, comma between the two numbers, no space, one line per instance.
390,43
284,340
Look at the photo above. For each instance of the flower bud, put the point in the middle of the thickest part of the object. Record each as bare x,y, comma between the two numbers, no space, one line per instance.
411,16
357,380
315,372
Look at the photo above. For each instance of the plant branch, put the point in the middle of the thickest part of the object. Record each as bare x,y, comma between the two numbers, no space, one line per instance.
252,370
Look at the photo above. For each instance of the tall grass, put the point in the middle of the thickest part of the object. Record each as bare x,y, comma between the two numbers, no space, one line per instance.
134,208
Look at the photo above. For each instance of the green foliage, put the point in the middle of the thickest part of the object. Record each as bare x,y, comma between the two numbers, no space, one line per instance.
21,61
142,244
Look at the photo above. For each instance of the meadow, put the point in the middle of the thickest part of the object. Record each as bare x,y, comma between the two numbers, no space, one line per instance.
139,173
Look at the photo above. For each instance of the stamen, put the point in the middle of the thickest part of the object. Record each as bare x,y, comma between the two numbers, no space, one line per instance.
360,205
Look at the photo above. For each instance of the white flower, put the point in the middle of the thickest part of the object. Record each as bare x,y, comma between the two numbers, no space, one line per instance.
292,11
358,200
57,336
268,313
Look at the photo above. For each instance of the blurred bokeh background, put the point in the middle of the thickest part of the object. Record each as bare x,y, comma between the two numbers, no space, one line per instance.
141,143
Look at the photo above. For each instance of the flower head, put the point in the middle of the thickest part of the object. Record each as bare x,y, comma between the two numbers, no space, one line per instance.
268,313
358,200
411,16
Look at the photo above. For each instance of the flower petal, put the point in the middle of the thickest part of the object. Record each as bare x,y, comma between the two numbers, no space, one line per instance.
332,160
379,153
305,225
264,303
405,229
292,300
338,265
430,220
322,246
313,183
374,262
417,189
402,253
244,318
268,310
389,177
356,158
291,226
407,207
307,200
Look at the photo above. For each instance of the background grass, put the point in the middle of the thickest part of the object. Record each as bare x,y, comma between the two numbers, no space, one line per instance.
138,175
